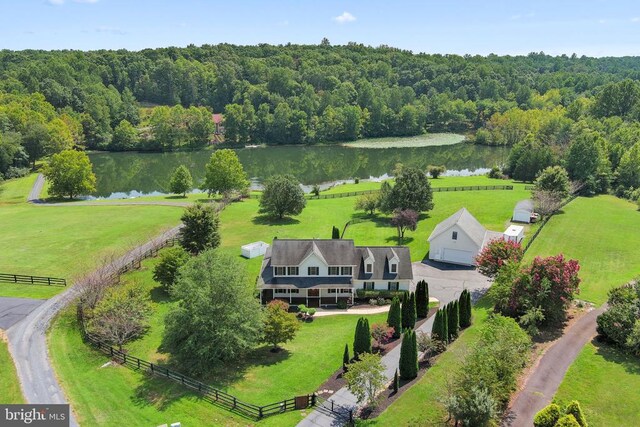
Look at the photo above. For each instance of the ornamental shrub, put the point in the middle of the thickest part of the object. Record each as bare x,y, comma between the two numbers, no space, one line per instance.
496,253
547,417
573,408
567,421
394,318
409,356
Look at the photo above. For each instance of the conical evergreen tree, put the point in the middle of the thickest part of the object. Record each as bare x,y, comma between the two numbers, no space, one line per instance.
396,382
394,318
345,357
409,312
453,319
465,309
445,325
366,336
335,233
422,299
409,356
469,307
436,328
362,339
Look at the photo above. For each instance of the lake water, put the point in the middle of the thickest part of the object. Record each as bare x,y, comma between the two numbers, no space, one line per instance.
129,174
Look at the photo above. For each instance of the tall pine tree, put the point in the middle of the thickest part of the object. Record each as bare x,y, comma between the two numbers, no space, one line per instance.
445,325
465,309
422,299
409,356
453,315
362,339
345,357
394,318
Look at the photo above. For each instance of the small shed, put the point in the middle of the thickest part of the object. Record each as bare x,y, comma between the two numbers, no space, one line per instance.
523,211
515,233
254,249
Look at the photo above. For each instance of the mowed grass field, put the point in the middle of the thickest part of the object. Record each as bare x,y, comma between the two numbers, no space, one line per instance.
603,233
606,382
108,395
67,241
10,390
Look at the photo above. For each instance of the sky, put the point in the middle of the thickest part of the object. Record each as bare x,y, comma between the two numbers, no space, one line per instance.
586,27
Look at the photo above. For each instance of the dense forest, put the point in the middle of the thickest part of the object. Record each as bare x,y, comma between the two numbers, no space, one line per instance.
551,109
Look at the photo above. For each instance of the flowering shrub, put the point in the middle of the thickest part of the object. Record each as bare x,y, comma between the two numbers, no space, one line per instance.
381,333
496,253
548,283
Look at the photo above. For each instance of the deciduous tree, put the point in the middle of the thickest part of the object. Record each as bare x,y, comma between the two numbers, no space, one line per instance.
403,220
280,326
365,378
70,174
166,269
282,196
224,173
201,228
181,181
412,190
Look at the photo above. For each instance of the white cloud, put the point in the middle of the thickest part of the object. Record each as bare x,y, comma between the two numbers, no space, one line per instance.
344,18
635,19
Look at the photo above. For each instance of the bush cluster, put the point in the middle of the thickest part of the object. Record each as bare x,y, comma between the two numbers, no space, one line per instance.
620,324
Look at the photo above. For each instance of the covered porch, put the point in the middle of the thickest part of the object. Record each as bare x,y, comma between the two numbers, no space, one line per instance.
315,296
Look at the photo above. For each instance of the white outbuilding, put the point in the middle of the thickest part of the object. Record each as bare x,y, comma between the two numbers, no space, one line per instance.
459,239
515,233
523,211
254,249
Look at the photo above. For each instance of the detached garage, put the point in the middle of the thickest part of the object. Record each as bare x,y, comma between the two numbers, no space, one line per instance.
459,238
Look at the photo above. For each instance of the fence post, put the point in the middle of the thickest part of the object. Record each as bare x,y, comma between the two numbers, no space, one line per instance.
138,363
260,412
111,351
234,402
313,399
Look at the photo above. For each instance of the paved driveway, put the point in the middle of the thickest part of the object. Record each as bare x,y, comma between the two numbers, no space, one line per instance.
12,310
447,281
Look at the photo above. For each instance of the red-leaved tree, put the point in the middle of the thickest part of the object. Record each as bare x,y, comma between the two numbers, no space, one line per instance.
381,333
496,253
403,220
549,284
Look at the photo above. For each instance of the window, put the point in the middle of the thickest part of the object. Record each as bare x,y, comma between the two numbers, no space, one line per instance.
454,235
394,286
369,286
345,291
394,268
281,291
334,271
346,271
280,271
313,271
294,291
332,291
292,271
369,268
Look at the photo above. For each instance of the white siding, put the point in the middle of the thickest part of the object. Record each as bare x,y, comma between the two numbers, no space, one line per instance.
383,285
313,261
461,251
522,215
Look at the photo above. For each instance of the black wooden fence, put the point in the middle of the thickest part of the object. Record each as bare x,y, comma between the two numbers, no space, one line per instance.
211,394
32,280
149,253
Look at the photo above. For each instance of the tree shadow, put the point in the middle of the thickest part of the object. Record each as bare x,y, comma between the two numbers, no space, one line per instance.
175,196
159,295
630,363
405,241
270,220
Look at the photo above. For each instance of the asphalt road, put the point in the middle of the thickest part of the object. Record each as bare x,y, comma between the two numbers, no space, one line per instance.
28,341
12,310
543,383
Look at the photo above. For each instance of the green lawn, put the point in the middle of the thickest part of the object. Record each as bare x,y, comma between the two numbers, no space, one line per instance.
419,405
66,241
606,382
263,378
242,225
10,391
603,233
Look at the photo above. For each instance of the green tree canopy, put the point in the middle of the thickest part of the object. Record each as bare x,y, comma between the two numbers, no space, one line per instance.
217,317
166,269
412,190
554,179
181,181
201,228
224,173
70,174
280,326
282,196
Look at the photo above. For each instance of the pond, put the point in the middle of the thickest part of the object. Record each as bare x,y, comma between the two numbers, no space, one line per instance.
147,173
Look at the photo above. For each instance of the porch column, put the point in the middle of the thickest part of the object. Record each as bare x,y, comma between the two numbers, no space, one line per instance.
307,296
336,296
289,296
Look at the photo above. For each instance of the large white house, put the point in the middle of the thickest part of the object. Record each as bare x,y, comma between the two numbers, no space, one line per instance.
459,238
318,272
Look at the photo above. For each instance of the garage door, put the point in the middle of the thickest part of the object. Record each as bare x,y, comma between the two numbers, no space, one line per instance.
457,256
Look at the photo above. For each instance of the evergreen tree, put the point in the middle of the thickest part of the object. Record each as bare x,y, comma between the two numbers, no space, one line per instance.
362,339
454,317
201,228
409,311
465,309
394,318
345,358
422,299
445,325
436,328
335,233
409,356
181,181
396,382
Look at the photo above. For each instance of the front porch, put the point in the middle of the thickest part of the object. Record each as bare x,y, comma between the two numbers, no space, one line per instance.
317,296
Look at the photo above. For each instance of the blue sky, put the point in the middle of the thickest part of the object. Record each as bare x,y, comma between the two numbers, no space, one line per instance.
589,27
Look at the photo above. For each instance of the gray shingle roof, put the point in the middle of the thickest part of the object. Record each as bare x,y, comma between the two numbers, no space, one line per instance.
466,222
381,255
525,204
293,251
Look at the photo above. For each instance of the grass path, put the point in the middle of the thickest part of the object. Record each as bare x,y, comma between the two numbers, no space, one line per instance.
603,233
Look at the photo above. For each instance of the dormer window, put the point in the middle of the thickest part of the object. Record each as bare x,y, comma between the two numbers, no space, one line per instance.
394,268
369,268
454,235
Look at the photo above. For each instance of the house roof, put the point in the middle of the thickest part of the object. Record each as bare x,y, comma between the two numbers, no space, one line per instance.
525,205
331,251
466,222
381,256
